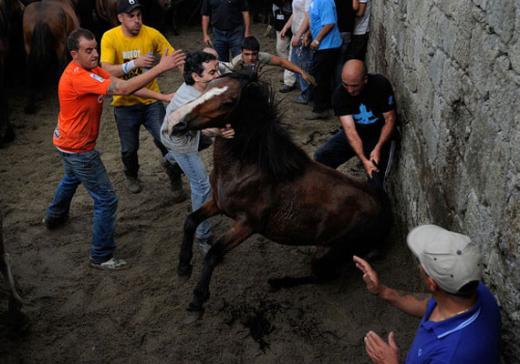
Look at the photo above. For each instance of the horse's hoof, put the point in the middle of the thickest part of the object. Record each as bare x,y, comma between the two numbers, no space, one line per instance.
275,283
193,314
184,270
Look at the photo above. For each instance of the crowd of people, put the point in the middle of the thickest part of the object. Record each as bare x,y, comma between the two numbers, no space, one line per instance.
321,46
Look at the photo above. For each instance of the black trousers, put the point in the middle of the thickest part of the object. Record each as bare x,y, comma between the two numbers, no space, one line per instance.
323,69
357,48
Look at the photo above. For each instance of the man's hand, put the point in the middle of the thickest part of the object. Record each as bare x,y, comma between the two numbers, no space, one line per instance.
309,78
283,33
370,276
247,33
167,97
146,61
169,61
295,41
306,39
380,351
227,132
375,155
315,44
370,167
207,41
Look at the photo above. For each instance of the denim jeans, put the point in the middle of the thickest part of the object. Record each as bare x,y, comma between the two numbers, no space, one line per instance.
337,150
87,168
225,41
195,170
302,57
129,120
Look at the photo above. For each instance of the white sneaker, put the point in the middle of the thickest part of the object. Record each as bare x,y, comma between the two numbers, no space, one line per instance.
111,264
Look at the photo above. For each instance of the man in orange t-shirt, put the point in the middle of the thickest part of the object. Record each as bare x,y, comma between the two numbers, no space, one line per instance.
81,89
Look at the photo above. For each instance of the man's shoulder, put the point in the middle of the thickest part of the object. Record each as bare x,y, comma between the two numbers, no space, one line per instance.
265,57
111,33
237,60
377,78
149,31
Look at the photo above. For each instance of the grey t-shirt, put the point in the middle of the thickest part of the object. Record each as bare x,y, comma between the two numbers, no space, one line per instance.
186,142
263,58
362,24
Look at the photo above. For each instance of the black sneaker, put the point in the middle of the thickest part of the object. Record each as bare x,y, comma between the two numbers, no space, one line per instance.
52,223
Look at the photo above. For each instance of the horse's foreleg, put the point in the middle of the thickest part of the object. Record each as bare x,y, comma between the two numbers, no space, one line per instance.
236,235
193,220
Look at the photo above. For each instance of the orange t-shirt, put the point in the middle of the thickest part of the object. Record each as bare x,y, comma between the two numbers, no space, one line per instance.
80,94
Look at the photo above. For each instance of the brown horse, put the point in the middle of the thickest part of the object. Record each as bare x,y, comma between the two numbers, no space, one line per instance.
10,20
46,25
269,186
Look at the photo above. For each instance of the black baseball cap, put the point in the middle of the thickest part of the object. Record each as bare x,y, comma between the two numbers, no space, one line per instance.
127,6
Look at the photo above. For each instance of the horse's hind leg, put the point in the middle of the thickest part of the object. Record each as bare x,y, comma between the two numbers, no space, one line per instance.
236,235
193,220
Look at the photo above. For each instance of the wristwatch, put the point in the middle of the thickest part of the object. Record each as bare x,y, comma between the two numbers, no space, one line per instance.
316,41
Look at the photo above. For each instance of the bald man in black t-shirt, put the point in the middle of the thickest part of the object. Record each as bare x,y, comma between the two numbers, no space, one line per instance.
365,106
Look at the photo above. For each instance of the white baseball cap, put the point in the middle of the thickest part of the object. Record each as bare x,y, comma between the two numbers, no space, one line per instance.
451,259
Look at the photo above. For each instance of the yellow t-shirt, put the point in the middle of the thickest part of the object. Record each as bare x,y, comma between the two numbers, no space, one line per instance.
117,48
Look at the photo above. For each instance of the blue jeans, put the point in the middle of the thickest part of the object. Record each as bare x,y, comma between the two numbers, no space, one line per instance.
302,57
87,168
225,41
195,170
337,150
129,120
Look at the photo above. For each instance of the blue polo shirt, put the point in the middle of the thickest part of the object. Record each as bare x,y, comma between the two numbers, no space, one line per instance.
468,338
321,13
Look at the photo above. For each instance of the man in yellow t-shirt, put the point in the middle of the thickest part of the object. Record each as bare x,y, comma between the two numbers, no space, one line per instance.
126,51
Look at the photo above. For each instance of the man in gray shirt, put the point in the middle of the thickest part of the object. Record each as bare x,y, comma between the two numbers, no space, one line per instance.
199,69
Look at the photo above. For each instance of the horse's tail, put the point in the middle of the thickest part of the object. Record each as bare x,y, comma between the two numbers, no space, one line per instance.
39,61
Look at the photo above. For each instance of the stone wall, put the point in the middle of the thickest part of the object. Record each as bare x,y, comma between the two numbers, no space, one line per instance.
455,67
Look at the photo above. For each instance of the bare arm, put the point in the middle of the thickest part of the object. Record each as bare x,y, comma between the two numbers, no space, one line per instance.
304,26
247,23
386,133
410,303
286,27
116,70
149,94
355,5
288,65
323,32
127,87
349,127
205,26
361,9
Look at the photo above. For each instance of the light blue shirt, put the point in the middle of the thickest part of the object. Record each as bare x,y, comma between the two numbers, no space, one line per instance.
321,13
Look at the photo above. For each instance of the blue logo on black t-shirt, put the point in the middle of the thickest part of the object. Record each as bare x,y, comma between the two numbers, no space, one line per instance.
365,116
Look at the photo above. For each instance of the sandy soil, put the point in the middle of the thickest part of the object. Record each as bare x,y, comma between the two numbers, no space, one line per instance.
136,316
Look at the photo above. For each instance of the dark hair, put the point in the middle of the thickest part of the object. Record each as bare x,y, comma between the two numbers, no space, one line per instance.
75,35
194,63
467,290
250,43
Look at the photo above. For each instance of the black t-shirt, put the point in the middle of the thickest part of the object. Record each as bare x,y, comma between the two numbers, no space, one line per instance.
224,14
346,15
368,107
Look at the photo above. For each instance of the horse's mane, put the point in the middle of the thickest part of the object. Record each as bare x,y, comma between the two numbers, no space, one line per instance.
260,138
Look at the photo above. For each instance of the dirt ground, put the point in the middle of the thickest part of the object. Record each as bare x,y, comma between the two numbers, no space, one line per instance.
83,315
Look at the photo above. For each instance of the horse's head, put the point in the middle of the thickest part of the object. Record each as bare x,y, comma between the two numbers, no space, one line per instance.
212,109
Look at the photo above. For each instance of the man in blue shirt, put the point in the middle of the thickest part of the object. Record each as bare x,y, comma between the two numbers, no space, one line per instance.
326,41
460,319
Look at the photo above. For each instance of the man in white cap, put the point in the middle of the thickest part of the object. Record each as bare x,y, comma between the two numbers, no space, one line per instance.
460,317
